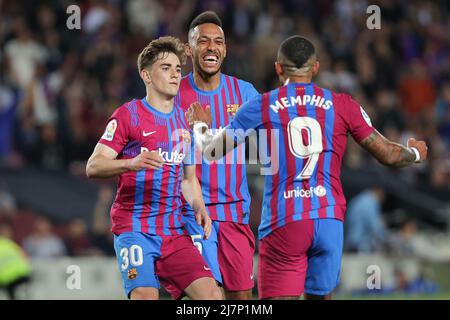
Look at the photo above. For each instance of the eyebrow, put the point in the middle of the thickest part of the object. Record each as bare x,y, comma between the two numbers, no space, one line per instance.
215,38
169,65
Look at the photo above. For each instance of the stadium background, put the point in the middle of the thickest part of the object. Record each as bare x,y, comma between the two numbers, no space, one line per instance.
58,86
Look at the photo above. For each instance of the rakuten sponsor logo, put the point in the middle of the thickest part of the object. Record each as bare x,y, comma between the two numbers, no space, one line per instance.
173,157
318,191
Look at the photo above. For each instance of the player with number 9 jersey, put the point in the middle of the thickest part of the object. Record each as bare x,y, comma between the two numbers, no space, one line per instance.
304,128
301,231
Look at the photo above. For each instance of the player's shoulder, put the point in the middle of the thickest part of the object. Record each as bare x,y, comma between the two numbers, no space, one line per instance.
271,93
185,82
340,97
185,78
241,83
341,100
129,108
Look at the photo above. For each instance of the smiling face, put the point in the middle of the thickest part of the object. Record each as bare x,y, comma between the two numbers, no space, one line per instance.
164,75
207,48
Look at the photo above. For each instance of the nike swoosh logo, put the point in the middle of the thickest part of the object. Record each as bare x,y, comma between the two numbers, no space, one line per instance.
145,134
206,268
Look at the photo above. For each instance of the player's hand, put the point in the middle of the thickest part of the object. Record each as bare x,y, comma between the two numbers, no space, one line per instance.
146,160
196,113
202,218
421,146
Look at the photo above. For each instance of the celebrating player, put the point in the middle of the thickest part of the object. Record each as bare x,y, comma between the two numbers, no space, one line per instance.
147,145
301,232
224,184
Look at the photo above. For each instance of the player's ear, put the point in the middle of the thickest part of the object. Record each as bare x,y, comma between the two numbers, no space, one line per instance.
315,68
278,68
188,50
145,76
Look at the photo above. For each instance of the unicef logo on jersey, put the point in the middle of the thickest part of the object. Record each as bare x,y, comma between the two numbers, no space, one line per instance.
318,191
171,158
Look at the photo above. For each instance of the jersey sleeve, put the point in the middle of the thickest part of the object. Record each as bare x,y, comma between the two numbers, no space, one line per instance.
248,91
117,130
247,117
358,121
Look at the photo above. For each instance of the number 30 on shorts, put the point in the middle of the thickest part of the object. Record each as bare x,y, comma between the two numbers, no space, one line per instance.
132,256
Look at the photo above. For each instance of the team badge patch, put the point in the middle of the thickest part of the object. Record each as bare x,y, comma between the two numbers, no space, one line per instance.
132,274
365,116
110,130
232,108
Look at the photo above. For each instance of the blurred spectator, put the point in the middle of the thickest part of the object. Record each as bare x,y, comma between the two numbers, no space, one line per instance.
15,269
23,54
39,99
77,239
143,16
388,114
8,105
417,92
401,242
8,205
442,114
408,243
365,230
43,243
102,236
96,16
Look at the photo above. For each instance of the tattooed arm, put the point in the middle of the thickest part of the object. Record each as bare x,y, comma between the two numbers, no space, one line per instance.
393,154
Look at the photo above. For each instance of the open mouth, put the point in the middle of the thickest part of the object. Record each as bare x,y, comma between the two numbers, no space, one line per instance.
211,60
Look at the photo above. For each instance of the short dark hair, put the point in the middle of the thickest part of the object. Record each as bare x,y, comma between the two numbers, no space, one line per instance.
206,17
167,44
297,50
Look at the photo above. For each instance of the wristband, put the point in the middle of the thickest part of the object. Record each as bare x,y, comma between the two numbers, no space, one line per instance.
416,152
200,127
202,136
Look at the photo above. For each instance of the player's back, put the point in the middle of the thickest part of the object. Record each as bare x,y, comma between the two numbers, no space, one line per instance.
309,126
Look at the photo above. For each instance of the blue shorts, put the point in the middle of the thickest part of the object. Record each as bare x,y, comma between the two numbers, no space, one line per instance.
302,256
147,260
207,247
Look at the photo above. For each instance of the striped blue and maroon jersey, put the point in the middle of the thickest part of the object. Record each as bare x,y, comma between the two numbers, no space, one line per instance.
149,201
223,182
305,130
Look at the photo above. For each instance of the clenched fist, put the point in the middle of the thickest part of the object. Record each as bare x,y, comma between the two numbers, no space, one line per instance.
420,146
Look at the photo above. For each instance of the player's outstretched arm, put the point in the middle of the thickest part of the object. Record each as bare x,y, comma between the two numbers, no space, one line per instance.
103,162
394,154
219,145
192,192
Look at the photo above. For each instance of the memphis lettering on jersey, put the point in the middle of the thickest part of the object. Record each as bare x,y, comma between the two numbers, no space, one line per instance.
303,100
172,157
